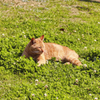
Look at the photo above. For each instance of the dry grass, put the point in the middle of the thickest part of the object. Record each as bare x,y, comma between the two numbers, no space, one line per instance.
74,11
79,20
22,3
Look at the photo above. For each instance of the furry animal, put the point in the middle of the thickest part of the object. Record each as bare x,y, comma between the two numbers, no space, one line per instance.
41,52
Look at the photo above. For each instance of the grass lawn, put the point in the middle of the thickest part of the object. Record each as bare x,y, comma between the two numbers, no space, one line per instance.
72,23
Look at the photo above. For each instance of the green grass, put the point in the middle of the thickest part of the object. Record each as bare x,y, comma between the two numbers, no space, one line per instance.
22,79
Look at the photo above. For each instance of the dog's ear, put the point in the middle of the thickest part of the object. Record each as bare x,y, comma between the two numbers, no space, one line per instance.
42,37
32,40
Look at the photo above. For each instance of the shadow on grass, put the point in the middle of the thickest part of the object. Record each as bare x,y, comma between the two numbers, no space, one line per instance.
95,1
92,55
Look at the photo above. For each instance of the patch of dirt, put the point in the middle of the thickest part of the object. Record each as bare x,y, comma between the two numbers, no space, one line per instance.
22,3
77,20
96,0
74,11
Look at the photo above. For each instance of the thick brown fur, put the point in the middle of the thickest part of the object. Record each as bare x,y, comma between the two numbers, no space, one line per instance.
41,52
